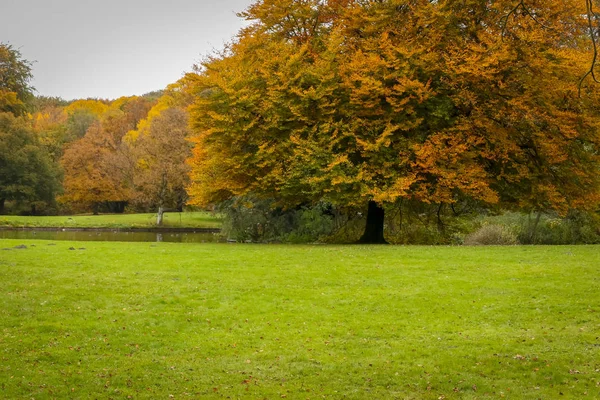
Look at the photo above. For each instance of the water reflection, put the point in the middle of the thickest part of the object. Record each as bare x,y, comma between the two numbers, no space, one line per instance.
113,236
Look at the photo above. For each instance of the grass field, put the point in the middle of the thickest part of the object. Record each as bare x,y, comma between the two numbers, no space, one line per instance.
159,320
180,220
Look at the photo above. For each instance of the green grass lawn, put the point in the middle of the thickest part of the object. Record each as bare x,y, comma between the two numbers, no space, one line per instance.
155,320
179,220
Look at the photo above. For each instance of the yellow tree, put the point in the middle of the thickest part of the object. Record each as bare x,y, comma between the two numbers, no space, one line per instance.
370,102
159,146
160,150
99,166
50,125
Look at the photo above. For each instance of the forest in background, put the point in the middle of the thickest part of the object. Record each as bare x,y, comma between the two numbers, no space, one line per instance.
90,155
323,116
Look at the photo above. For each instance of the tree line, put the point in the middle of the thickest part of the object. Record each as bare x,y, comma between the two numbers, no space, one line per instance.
90,154
351,106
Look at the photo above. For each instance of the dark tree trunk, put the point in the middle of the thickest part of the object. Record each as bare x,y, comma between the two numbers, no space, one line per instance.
533,229
374,229
2,206
115,207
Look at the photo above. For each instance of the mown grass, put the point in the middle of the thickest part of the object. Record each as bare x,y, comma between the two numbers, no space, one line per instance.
148,320
179,220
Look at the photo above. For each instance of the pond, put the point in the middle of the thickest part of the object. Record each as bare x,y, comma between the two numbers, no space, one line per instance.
113,236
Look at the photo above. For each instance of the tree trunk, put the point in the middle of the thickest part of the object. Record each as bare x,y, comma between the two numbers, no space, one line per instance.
161,199
2,206
374,229
159,215
95,208
118,207
440,223
533,229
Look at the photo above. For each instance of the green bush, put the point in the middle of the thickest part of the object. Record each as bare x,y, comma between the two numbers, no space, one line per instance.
256,220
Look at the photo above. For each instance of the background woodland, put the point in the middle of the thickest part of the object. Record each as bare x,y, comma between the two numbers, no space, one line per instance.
425,121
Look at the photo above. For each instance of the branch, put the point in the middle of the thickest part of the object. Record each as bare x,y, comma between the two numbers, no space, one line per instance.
590,72
521,4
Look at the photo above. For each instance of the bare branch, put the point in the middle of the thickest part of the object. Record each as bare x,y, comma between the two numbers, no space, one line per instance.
590,15
521,4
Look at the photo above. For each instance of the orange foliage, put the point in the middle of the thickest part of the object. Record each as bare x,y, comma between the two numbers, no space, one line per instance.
97,168
351,101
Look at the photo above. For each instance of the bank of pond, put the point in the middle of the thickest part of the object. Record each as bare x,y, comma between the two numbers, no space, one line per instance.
198,236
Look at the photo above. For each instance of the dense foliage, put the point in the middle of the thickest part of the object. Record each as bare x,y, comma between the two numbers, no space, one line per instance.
352,102
326,116
15,74
27,172
90,154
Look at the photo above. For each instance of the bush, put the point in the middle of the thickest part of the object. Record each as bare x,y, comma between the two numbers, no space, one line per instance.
577,227
491,235
255,220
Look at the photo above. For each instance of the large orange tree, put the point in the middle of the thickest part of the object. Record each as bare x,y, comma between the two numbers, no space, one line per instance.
369,102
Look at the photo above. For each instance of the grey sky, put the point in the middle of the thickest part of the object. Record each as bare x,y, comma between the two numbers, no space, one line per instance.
113,48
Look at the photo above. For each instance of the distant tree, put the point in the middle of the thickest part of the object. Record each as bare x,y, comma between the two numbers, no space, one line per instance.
153,95
96,167
15,74
27,172
50,125
94,106
134,108
81,115
160,150
78,122
44,102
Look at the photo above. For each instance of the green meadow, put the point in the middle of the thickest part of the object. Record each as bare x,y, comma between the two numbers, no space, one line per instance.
198,219
157,320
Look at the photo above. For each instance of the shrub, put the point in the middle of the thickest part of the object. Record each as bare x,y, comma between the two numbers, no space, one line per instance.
256,220
491,235
577,227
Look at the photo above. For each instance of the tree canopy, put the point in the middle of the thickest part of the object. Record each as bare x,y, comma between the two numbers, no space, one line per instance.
27,171
357,102
15,74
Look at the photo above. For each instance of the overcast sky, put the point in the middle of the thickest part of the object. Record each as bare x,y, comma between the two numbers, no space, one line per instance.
113,48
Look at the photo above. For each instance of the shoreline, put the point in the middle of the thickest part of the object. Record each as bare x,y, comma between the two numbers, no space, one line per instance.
106,229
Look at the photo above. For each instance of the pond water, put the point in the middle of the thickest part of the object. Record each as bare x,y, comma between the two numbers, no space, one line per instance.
113,236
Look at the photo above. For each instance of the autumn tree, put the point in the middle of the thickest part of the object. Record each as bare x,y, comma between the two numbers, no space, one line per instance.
371,102
160,151
49,123
134,108
27,173
97,167
15,74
